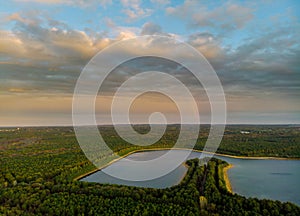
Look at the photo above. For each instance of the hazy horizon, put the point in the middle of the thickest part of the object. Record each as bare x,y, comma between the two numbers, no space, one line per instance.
204,124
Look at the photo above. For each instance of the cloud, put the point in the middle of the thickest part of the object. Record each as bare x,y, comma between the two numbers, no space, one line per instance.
120,32
80,3
45,1
161,2
266,64
36,38
134,10
229,16
40,54
43,56
262,65
44,53
226,17
150,28
182,10
208,44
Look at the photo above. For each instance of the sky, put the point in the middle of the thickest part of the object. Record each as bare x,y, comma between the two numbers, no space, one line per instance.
254,47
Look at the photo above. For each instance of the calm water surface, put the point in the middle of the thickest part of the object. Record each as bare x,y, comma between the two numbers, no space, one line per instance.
271,179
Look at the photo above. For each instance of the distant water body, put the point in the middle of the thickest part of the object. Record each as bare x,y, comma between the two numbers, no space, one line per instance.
270,179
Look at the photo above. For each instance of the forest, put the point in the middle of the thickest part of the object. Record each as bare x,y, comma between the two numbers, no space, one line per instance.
238,140
39,165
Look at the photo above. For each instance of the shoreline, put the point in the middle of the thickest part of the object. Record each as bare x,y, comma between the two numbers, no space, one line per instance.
195,150
105,165
226,177
218,154
183,175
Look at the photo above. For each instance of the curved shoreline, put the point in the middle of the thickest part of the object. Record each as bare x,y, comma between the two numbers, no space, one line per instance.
218,154
226,177
105,165
195,150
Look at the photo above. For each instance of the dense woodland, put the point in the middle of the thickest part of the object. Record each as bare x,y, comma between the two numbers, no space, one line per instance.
240,140
38,167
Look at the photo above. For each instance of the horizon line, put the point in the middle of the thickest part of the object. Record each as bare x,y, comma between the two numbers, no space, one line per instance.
69,125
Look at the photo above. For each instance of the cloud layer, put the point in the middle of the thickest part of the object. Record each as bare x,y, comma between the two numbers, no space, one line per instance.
257,59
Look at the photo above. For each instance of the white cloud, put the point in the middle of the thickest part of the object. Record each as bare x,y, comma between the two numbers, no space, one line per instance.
32,41
184,9
134,10
81,3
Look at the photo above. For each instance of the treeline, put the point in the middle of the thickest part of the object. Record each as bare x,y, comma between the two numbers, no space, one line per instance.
222,202
239,140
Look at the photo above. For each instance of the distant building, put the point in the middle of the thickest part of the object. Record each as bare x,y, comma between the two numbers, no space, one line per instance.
245,132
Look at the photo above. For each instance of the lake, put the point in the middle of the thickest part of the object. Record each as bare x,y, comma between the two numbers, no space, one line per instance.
270,179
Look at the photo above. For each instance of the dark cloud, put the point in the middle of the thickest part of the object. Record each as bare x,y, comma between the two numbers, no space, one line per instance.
45,53
265,63
150,28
